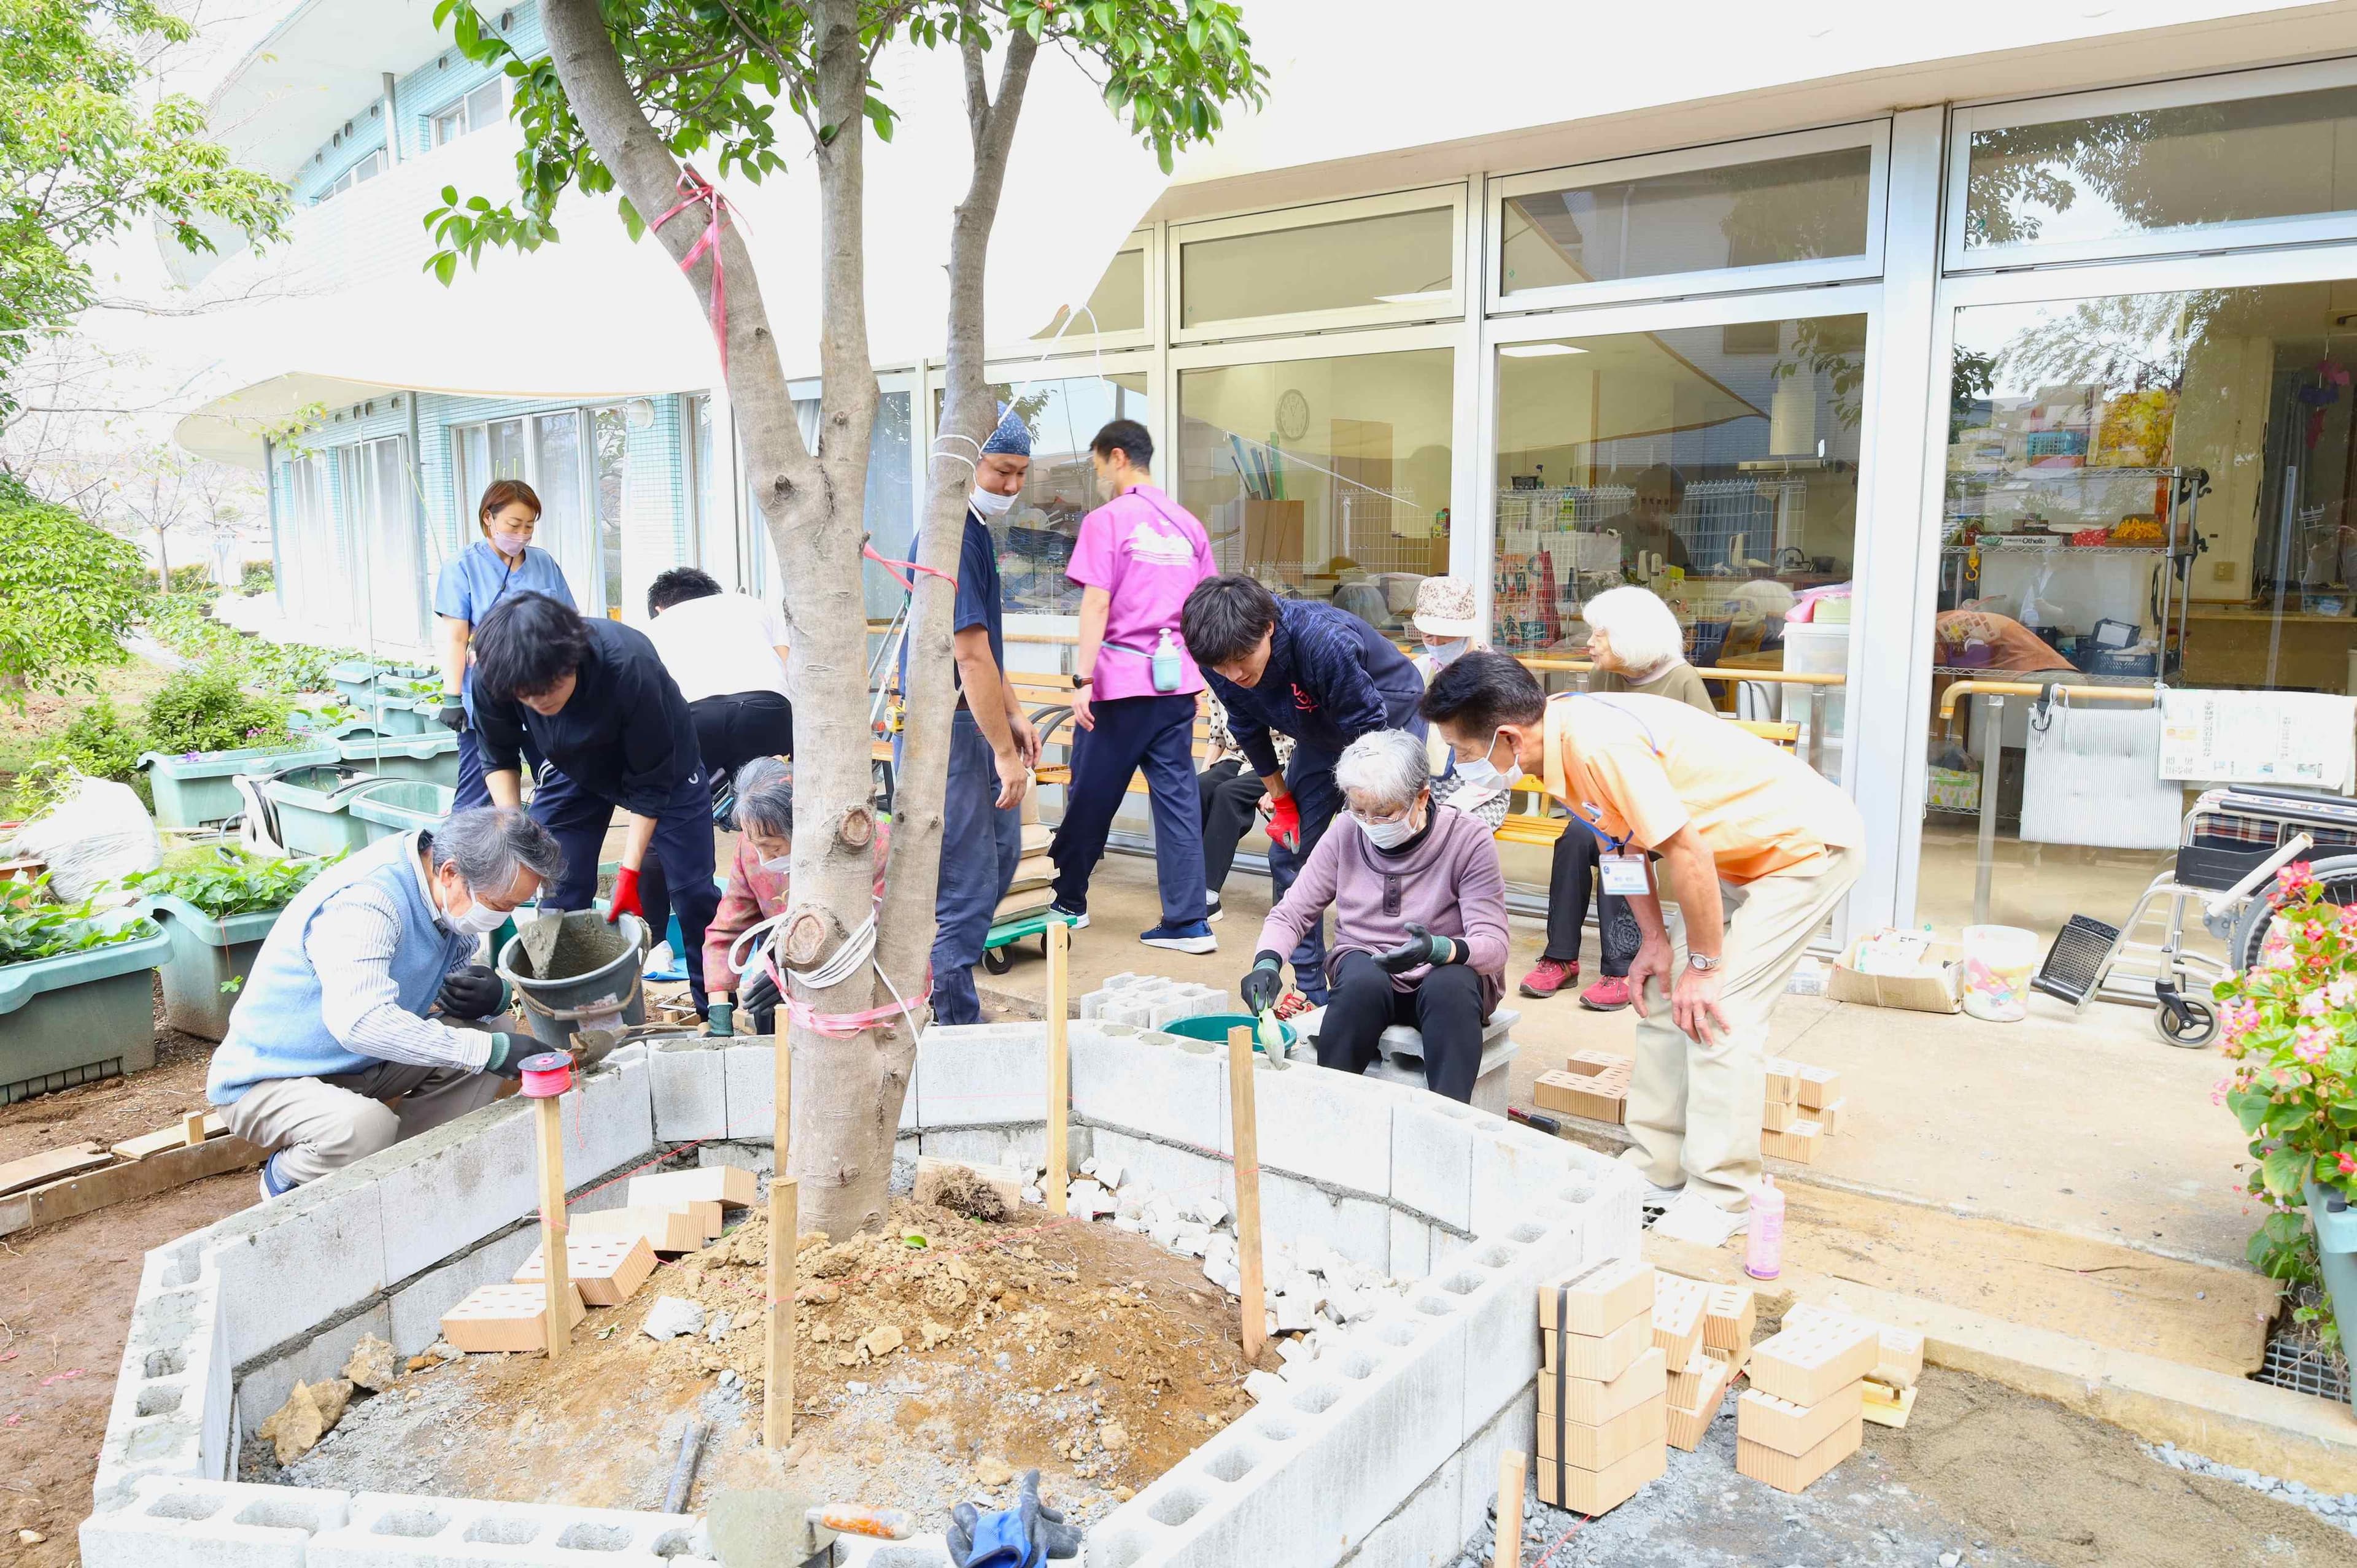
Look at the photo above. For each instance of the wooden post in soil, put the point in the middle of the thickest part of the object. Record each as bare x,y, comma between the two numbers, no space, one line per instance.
192,1128
1247,1166
785,1225
1060,1066
548,1131
1511,1466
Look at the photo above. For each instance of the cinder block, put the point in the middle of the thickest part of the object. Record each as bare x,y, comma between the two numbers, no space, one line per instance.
608,1119
982,1075
388,1530
1513,1427
1411,1247
171,1411
749,1077
453,1185
688,1085
288,1265
1327,1126
1512,1166
1432,1158
1175,1092
1358,1228
417,1308
1492,1285
1421,1531
189,1524
262,1389
1174,1171
1023,1146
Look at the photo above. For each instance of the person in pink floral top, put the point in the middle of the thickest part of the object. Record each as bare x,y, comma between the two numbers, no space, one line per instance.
758,890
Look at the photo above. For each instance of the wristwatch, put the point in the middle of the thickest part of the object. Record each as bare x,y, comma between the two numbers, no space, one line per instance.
1082,679
1703,961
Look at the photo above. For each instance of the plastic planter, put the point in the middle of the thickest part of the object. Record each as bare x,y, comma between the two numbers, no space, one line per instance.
79,1016
207,955
192,791
2336,1253
432,758
355,681
402,805
396,713
315,808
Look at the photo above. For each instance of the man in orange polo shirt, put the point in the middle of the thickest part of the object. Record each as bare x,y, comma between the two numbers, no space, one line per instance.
1754,847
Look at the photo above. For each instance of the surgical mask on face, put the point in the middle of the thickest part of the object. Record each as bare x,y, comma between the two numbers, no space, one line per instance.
479,920
1447,653
508,543
779,864
1482,773
990,503
1388,835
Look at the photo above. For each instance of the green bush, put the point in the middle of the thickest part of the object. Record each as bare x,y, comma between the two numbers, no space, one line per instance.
184,623
194,578
223,887
100,742
33,926
69,595
260,578
208,710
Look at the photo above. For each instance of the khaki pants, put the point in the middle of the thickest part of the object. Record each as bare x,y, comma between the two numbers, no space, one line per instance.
1695,1109
323,1124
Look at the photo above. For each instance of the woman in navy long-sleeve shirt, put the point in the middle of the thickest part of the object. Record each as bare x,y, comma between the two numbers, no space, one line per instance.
1319,674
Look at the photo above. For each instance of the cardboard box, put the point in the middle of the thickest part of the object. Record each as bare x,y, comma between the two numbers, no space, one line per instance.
1689,1423
1729,1316
1776,1115
724,1185
605,1269
1901,1350
1598,1298
1798,1142
1600,1357
1809,1364
1602,1097
1594,1492
1678,1307
1792,1428
1593,1402
1938,989
1600,1447
1820,1087
509,1318
1788,1472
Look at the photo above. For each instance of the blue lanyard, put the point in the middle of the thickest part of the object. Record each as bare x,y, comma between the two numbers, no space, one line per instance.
1611,844
1590,822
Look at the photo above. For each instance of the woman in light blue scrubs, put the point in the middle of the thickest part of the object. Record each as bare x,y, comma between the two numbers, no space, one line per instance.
502,561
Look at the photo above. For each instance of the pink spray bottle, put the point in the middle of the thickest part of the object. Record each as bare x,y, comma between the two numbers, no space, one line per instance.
1763,1249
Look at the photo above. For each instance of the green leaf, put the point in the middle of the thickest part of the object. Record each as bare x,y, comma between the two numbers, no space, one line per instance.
2284,1171
446,266
2344,1115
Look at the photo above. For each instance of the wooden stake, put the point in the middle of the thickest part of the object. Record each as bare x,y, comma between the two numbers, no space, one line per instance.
1060,1066
192,1128
549,1132
1247,1142
785,1227
1511,1466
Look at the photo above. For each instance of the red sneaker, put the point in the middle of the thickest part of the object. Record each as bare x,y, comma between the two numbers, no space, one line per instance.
1550,975
1608,994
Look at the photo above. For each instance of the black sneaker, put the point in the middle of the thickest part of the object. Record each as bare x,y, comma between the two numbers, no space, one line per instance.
1076,919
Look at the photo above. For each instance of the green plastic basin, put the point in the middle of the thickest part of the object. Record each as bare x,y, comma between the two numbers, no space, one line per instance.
79,1016
431,758
1214,1027
403,805
194,791
315,808
207,955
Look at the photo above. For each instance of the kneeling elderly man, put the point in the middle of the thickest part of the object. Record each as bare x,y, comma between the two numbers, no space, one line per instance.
334,1020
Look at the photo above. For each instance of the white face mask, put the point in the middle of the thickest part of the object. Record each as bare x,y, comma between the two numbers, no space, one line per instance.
780,865
1482,773
1389,835
989,503
479,920
1449,653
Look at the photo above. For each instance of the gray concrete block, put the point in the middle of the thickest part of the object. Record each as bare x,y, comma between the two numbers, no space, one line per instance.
749,1074
1421,1531
1432,1158
608,1121
1177,1091
1510,1164
982,1075
391,1531
189,1524
1023,1146
1411,1247
452,1186
289,1264
1327,1125
688,1082
1358,1228
1176,1172
1515,1427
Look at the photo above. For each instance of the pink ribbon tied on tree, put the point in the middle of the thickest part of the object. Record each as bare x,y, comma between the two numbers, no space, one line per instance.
692,190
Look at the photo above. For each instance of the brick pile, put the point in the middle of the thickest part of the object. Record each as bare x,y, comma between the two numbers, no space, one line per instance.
1593,1084
1802,1106
1805,1412
1603,1387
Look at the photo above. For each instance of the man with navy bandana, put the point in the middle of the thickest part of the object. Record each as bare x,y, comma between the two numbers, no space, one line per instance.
992,745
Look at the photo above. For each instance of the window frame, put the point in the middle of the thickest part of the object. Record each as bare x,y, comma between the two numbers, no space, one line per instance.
463,107
1872,135
1424,198
2245,233
351,176
1144,240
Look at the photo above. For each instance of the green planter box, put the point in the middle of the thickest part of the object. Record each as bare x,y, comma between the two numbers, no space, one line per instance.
431,758
2335,1253
397,714
207,955
315,808
79,1016
192,791
402,805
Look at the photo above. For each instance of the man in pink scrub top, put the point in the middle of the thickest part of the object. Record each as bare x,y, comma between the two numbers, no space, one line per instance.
1137,557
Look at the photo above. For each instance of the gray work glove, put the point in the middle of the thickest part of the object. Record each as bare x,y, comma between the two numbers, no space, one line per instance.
1265,983
1421,948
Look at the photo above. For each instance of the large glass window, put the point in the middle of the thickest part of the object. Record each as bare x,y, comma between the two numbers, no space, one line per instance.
2141,488
367,169
1716,465
567,522
1805,207
1325,479
483,106
1116,305
889,515
1396,262
377,500
2167,167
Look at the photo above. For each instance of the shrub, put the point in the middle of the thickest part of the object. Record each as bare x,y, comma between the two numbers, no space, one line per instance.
259,577
208,710
184,623
69,595
100,742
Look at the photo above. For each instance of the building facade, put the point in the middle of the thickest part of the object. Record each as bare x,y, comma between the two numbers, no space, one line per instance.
2044,376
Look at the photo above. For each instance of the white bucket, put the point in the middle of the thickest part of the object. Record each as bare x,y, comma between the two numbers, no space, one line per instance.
1998,962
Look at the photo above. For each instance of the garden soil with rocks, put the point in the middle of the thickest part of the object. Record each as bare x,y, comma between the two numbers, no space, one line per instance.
923,1376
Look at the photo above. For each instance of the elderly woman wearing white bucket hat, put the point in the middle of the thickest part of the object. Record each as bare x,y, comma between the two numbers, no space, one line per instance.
1445,618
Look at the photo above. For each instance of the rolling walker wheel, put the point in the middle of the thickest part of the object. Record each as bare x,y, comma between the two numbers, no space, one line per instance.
998,961
2181,1021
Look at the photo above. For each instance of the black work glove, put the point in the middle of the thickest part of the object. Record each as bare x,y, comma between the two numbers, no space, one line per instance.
1265,983
1421,948
453,711
759,993
508,1052
1043,1527
473,992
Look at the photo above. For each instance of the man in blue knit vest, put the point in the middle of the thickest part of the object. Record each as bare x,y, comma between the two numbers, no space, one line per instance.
338,1014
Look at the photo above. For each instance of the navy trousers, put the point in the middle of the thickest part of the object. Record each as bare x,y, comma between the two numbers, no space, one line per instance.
980,844
678,870
1158,734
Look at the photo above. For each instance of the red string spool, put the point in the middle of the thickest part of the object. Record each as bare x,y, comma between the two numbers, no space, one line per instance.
547,1075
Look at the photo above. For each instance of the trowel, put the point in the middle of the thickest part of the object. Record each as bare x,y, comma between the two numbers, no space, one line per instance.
763,1528
539,936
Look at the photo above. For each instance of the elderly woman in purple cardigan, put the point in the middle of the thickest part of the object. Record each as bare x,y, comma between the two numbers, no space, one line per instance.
1419,918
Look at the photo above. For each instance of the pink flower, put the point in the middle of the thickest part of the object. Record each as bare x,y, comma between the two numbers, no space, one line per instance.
2294,880
2310,1043
2342,992
2347,1164
2238,1019
2312,931
2315,1005
2218,1090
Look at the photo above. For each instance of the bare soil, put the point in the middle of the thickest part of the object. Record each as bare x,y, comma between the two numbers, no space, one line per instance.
1081,1349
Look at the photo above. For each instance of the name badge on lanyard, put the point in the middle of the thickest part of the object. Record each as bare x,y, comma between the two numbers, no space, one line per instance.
1624,875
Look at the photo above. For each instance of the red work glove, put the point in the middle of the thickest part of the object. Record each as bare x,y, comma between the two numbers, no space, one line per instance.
1284,823
626,897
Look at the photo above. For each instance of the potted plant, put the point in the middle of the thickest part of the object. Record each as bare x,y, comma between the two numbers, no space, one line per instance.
76,1000
205,729
216,913
2289,1027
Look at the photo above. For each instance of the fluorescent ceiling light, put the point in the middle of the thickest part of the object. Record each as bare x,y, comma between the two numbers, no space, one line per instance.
1429,297
1537,350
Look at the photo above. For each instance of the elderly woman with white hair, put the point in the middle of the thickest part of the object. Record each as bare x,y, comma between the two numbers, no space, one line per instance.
1636,644
1419,918
760,889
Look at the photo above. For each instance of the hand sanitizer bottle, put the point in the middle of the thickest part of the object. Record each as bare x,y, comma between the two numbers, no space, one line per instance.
1763,1249
1166,664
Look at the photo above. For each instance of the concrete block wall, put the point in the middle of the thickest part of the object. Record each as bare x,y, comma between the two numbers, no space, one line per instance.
1369,1456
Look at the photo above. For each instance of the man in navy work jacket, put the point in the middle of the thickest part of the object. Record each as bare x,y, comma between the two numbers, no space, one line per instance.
594,699
1321,675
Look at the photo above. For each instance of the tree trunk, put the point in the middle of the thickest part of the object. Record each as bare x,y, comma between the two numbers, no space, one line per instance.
163,562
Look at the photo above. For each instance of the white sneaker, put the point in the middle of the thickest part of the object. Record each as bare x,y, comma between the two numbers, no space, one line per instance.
1697,1219
1211,910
